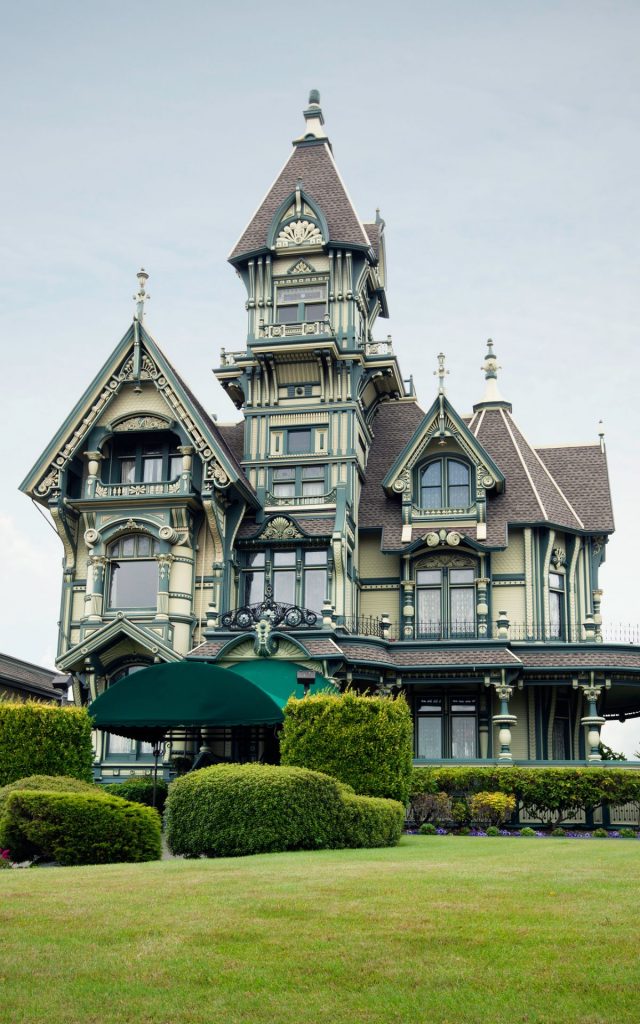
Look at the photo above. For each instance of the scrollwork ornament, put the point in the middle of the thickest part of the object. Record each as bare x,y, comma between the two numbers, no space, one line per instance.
91,537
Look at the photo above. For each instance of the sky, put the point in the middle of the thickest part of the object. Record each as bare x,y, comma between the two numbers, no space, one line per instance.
499,140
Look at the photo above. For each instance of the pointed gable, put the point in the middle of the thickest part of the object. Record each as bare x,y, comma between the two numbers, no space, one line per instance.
312,167
137,358
443,420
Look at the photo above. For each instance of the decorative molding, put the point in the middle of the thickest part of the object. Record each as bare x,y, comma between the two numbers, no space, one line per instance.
301,267
141,422
299,232
452,538
446,561
280,528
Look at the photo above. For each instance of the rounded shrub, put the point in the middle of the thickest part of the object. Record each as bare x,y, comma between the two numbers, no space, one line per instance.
78,828
139,791
44,739
527,832
236,809
428,829
47,783
628,833
464,831
600,833
493,831
559,833
492,808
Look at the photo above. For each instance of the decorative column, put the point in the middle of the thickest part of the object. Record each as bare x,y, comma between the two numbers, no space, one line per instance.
93,464
504,719
408,609
94,600
327,614
385,625
164,572
482,608
503,626
597,617
483,723
593,721
186,450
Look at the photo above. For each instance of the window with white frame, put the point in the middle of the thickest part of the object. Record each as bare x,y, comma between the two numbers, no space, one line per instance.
301,304
133,572
445,483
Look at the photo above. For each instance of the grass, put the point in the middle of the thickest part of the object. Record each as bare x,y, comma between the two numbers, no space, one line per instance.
436,930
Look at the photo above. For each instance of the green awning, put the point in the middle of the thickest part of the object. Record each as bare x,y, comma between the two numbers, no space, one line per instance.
280,678
183,694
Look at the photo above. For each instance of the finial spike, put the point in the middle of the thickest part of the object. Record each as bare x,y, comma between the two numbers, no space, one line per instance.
141,297
314,96
441,373
313,119
490,365
601,436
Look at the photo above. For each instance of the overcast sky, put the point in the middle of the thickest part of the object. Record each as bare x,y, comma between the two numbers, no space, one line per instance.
499,139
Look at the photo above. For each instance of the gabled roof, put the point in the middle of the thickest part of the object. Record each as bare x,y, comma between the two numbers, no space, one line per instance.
106,634
30,679
111,377
441,411
312,167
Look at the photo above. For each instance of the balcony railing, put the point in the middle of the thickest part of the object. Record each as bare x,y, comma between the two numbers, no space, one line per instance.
520,632
378,348
158,488
302,330
300,499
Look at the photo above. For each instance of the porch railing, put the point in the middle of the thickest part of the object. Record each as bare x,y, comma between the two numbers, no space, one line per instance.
625,633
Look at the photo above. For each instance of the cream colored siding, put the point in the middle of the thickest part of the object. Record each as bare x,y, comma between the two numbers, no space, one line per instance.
376,603
373,563
127,402
512,559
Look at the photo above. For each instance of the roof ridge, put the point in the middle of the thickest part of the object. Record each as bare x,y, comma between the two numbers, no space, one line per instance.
524,465
558,488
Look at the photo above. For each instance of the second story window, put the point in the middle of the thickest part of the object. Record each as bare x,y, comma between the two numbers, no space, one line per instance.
556,605
145,459
445,603
133,572
303,304
297,576
445,483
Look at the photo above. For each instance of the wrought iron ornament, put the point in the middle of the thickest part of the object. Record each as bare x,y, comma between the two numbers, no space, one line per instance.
276,613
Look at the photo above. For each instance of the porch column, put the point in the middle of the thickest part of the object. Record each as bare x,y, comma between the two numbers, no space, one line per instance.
593,721
504,719
94,599
93,466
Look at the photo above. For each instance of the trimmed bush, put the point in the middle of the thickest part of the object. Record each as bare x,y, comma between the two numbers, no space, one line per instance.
600,833
527,832
43,739
428,829
558,833
366,742
139,791
47,784
492,808
237,809
78,828
548,795
628,833
371,821
493,831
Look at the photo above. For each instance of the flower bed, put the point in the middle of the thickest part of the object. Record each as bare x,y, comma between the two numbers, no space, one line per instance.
530,833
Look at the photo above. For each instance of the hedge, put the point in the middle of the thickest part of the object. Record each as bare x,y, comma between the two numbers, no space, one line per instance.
43,739
545,793
364,741
48,784
78,828
139,791
237,809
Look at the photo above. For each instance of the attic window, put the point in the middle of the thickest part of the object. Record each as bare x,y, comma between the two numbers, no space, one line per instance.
445,483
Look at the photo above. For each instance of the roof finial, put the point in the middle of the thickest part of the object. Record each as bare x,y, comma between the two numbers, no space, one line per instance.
314,119
141,297
441,373
490,369
601,435
490,365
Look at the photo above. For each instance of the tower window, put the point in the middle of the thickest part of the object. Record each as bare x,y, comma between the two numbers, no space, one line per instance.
300,305
133,572
556,605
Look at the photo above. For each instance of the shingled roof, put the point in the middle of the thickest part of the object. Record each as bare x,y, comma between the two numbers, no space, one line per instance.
30,680
311,165
567,487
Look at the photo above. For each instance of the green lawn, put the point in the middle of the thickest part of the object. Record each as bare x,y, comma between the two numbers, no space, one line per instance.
437,929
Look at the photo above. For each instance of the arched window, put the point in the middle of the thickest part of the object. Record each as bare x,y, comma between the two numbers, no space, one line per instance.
133,572
445,483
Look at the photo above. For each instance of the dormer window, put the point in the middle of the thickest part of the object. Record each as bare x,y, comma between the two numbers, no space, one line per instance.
445,483
147,458
302,304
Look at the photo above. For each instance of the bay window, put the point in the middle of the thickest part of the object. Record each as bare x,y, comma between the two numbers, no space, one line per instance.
133,572
445,602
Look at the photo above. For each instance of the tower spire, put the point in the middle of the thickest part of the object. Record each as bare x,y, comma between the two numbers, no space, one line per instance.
141,297
314,121
490,369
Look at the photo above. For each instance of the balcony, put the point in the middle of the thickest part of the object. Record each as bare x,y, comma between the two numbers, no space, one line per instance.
589,632
157,489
